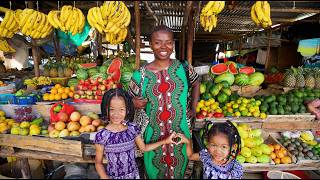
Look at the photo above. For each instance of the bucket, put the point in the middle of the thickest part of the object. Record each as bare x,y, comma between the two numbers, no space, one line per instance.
281,175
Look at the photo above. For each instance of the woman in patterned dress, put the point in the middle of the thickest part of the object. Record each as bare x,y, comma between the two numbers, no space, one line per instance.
117,142
165,98
219,158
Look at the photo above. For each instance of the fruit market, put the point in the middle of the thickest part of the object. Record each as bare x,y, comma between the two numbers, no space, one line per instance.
258,70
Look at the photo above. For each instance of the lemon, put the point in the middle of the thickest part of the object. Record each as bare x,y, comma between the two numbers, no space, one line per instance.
242,108
219,110
237,114
232,102
51,97
200,105
245,101
248,106
258,102
58,86
239,101
230,110
235,106
207,103
263,115
252,109
228,105
256,114
244,112
249,114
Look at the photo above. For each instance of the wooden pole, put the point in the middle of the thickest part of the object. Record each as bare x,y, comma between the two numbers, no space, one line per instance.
56,44
99,42
137,26
190,37
183,42
187,13
25,168
266,66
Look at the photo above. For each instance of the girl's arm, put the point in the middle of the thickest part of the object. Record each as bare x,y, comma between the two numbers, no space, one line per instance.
191,155
149,147
99,162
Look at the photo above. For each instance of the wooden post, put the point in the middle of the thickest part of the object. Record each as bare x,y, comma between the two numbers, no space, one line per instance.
25,168
137,25
56,44
35,55
183,42
190,37
266,65
99,42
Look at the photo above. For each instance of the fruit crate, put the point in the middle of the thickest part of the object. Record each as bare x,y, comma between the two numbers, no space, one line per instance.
89,101
290,118
7,98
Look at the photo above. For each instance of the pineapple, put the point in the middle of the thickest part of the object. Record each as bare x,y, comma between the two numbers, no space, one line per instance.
60,70
53,71
299,78
317,78
289,79
309,79
46,71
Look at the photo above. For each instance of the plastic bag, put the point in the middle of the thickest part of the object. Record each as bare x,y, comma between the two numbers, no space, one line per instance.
77,39
66,108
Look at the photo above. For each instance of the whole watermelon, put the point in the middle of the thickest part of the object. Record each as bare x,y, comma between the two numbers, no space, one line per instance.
82,74
73,82
256,79
242,79
225,77
93,71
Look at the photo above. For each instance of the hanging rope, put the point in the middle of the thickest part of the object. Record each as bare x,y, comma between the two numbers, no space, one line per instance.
10,4
58,5
37,5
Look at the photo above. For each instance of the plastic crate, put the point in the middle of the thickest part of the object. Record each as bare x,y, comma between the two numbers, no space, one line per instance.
7,98
25,100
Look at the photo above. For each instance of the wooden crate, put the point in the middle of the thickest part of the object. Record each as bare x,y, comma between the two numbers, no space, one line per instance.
51,145
290,118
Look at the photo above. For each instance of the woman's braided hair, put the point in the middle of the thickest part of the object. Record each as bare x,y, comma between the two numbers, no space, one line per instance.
227,128
117,92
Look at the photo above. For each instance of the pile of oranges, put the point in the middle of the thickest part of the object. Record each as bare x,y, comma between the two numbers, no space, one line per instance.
58,93
279,154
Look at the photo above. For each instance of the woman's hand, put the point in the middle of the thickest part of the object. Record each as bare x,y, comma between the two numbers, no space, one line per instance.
169,140
139,103
183,139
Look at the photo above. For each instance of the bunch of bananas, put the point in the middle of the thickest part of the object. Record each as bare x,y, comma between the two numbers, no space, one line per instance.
41,80
5,47
260,14
33,23
208,16
9,25
69,19
111,19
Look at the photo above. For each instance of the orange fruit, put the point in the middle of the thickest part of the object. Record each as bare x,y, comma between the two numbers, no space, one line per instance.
67,90
54,91
271,147
285,160
51,97
70,94
61,90
57,86
64,96
277,160
273,155
72,88
276,147
284,151
45,97
57,97
279,154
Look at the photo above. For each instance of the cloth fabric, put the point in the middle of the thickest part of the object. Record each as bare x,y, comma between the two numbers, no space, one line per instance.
232,170
167,92
119,150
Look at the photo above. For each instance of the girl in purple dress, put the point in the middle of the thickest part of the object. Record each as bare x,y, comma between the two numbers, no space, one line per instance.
117,141
219,158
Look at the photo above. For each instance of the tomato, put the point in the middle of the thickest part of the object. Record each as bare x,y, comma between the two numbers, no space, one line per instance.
218,115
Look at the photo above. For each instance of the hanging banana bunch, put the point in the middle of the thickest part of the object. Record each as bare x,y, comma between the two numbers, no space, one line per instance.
5,47
208,16
33,23
9,25
111,19
69,19
260,14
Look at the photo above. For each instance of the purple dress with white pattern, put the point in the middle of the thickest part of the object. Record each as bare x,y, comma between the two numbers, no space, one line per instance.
232,170
119,150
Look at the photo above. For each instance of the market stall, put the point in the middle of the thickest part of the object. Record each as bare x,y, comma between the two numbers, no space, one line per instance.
54,112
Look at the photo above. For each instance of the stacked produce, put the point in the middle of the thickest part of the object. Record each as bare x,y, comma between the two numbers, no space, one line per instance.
69,19
302,77
260,14
208,16
37,81
274,77
75,124
291,102
279,154
111,19
301,144
58,93
5,47
61,69
2,84
33,23
9,25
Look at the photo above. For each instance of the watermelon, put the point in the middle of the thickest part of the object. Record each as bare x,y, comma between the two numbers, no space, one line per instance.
228,77
93,71
219,69
232,68
256,79
114,66
88,65
82,74
247,70
73,82
242,79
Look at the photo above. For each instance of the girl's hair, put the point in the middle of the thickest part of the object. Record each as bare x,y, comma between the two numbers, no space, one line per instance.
117,92
160,28
228,129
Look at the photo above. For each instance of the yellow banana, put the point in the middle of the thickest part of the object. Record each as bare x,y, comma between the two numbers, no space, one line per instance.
46,25
57,21
114,9
31,20
259,12
214,8
3,9
104,10
128,20
98,16
108,7
24,16
51,21
81,20
266,11
221,7
207,7
69,21
38,21
121,14
254,16
5,19
10,34
64,14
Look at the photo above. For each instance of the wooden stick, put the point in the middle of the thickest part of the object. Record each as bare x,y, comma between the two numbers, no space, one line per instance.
99,42
266,65
190,38
283,10
25,168
56,44
35,56
151,12
183,42
137,25
187,12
